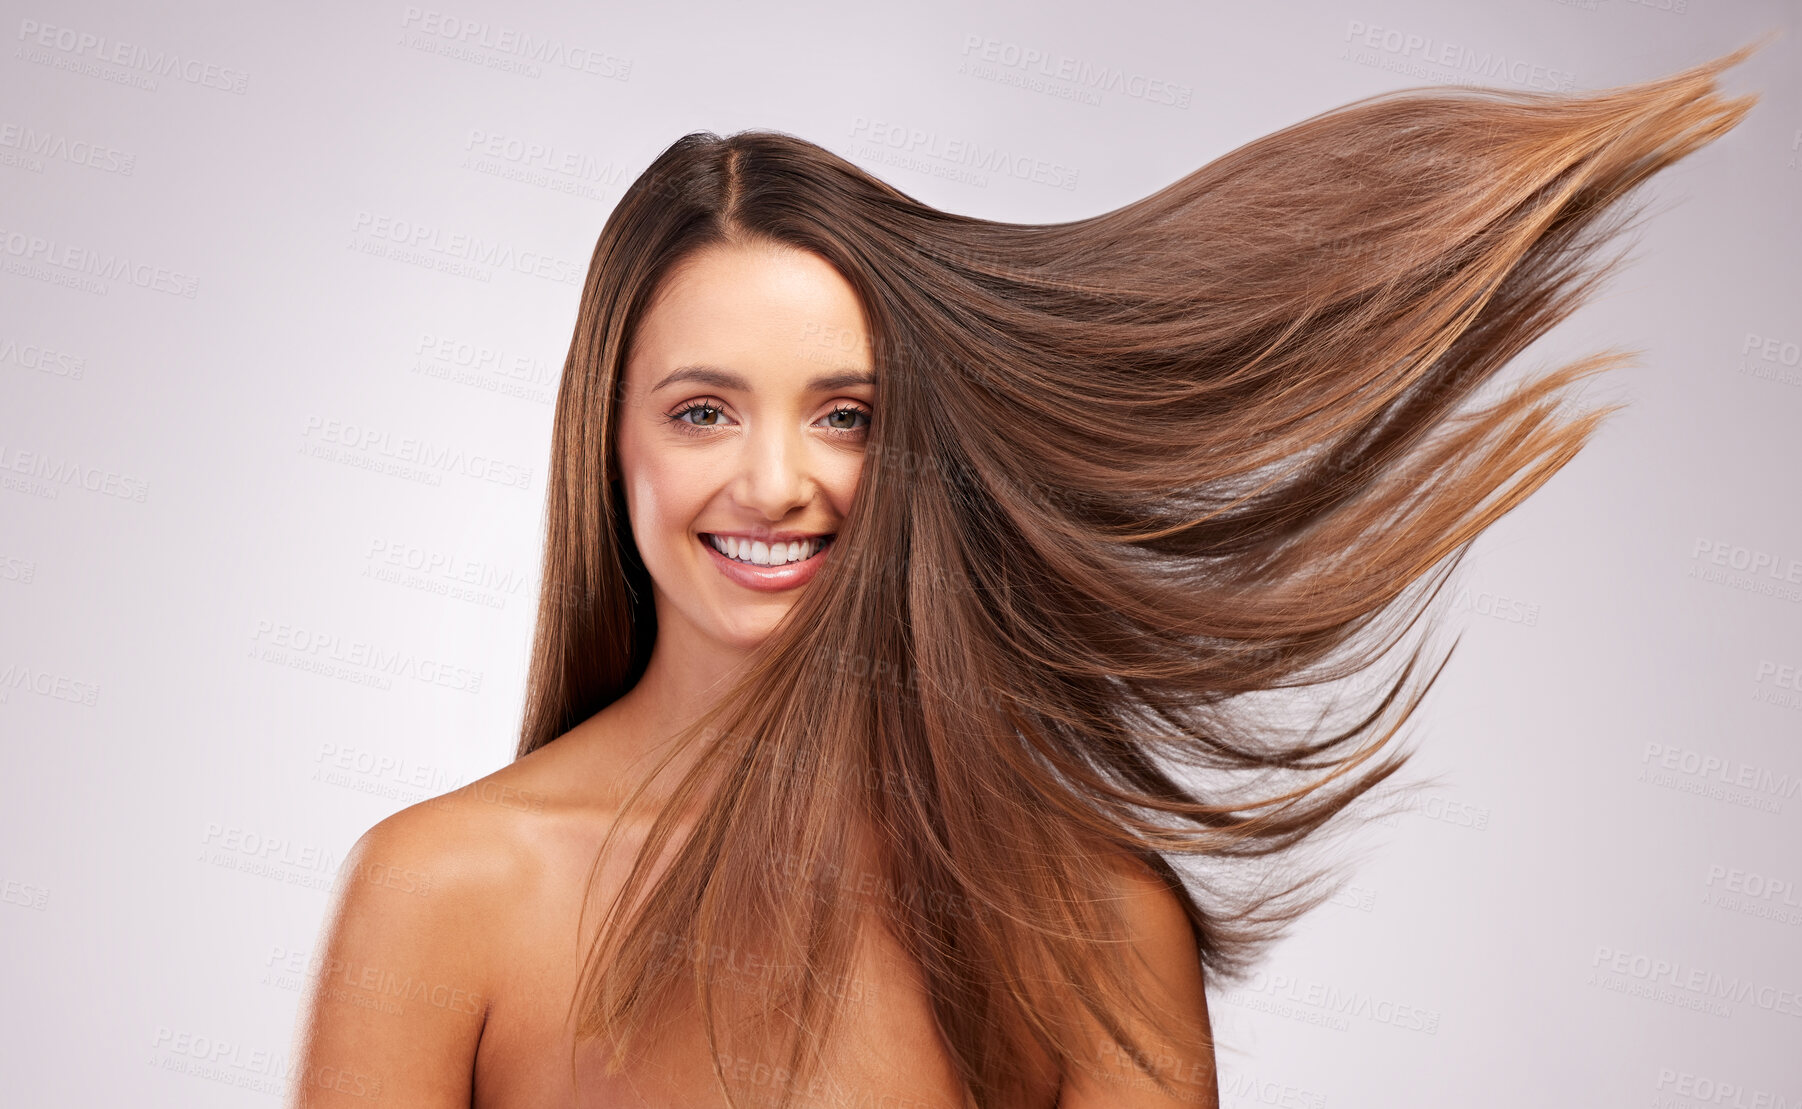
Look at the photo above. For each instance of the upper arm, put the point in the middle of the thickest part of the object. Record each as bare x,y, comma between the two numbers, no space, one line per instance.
397,989
1167,968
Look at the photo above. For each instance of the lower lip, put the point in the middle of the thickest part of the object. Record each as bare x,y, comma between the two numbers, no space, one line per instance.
768,579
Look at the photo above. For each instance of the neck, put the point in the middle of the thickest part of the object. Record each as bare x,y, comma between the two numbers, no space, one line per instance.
686,675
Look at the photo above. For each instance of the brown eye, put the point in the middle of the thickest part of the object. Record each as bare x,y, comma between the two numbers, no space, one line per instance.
851,414
710,412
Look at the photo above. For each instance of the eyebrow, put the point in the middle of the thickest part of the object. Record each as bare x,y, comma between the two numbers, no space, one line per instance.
726,379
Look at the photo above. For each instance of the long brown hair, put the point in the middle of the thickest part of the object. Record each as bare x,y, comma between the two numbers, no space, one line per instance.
1125,472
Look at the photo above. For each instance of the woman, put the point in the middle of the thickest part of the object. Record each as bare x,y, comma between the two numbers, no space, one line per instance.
908,583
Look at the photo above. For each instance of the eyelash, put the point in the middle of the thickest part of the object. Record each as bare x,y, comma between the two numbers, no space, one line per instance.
704,405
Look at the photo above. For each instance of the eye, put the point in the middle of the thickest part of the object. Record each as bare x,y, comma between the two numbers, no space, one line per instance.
710,414
849,413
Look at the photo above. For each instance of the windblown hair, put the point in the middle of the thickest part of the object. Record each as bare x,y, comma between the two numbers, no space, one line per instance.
1125,472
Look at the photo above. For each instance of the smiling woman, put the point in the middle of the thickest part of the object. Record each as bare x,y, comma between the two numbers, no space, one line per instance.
890,737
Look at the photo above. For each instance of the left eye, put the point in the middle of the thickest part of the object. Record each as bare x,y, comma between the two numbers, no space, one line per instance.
852,413
709,412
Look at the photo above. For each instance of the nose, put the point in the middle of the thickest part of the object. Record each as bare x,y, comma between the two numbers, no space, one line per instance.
776,475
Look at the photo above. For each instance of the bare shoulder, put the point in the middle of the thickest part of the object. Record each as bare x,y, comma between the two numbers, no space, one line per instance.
1163,939
1151,905
405,966
469,848
1177,1064
463,847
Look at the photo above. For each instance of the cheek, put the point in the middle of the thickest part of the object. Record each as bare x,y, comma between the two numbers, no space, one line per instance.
664,495
841,486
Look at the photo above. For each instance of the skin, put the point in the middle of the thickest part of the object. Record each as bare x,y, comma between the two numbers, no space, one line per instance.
450,951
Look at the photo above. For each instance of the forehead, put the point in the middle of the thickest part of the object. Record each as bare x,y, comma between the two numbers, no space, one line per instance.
756,306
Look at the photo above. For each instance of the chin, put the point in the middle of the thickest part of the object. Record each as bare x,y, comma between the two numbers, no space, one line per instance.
747,630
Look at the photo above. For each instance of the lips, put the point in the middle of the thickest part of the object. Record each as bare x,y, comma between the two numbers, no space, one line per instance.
772,551
765,579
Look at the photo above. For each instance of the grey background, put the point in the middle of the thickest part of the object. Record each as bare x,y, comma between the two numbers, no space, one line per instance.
1602,905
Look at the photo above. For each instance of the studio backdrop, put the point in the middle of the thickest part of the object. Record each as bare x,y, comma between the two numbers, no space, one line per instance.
285,292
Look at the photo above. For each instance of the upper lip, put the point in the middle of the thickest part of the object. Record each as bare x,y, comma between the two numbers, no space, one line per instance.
765,535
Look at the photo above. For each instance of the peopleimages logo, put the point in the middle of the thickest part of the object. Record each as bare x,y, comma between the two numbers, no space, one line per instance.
1750,883
433,457
46,475
1691,987
57,687
547,157
82,46
31,356
527,49
990,58
1699,1089
1479,65
461,247
69,258
305,648
1718,776
965,153
447,565
1322,1003
476,366
32,146
1771,358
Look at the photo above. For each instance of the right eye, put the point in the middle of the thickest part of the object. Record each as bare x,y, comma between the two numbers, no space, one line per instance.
709,415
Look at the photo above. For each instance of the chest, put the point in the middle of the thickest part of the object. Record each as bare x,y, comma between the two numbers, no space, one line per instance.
888,1052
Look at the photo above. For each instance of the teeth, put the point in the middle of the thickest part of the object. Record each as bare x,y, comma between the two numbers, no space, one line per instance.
758,553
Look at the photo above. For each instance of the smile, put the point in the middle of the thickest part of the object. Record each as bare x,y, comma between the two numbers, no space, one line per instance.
758,553
763,566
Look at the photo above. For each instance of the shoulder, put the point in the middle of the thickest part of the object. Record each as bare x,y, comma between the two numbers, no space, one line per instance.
402,978
453,867
1155,912
1170,1061
460,845
457,875
484,857
432,879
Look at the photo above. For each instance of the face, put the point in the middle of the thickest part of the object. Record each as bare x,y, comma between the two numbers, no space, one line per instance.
748,397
